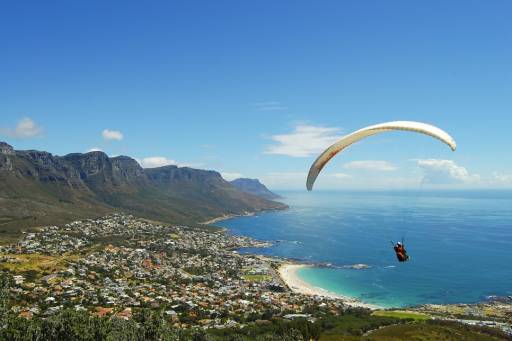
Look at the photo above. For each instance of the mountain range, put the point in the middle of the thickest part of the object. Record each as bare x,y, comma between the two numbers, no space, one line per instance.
39,188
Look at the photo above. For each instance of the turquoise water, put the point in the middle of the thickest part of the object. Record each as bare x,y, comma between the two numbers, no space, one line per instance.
460,243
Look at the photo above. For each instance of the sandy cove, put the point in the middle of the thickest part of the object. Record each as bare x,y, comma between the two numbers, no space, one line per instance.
245,214
288,272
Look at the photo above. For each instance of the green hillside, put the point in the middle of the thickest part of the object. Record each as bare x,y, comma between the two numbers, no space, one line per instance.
38,188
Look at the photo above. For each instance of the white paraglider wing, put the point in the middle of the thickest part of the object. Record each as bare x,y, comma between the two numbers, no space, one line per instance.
346,141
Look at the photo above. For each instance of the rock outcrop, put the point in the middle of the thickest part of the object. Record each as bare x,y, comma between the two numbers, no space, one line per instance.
6,152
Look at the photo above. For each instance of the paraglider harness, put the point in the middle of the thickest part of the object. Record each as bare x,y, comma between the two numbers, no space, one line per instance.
401,253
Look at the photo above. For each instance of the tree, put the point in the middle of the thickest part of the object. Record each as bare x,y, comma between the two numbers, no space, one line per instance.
4,297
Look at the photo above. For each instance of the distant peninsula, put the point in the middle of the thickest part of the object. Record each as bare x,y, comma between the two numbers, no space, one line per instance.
255,187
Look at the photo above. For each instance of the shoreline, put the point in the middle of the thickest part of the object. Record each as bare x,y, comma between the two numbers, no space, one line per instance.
288,273
227,216
245,214
280,207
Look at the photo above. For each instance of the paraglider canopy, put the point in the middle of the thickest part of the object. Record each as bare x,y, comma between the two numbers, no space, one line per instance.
356,136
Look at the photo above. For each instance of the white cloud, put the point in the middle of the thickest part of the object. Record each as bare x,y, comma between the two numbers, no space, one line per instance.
208,146
438,171
230,176
341,175
501,179
112,135
26,128
284,180
337,181
305,140
270,106
191,165
156,161
94,149
371,165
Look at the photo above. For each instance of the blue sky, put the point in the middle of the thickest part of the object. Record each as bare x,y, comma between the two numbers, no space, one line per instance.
217,85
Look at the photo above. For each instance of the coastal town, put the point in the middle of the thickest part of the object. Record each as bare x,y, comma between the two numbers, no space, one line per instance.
117,264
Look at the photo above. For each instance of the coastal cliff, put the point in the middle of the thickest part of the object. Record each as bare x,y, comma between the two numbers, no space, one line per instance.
255,187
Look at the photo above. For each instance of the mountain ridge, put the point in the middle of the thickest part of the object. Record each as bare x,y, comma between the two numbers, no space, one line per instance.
37,188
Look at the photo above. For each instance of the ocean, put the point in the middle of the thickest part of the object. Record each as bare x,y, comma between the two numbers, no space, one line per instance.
460,243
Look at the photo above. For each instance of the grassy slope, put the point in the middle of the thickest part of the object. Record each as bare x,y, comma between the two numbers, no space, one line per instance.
402,315
423,331
399,325
415,332
26,203
257,278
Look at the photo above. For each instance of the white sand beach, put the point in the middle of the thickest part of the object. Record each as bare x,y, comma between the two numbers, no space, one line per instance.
288,272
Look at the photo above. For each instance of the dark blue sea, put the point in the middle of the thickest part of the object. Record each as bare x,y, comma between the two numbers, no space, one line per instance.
460,243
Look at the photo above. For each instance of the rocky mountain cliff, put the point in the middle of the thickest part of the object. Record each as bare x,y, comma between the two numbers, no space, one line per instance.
39,188
255,187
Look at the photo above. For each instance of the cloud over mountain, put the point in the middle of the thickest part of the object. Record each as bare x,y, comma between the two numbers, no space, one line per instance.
112,135
229,176
156,161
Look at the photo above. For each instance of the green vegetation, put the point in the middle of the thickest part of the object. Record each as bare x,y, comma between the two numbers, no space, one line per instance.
274,330
355,322
402,315
359,324
436,330
72,325
194,270
257,278
148,324
35,262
